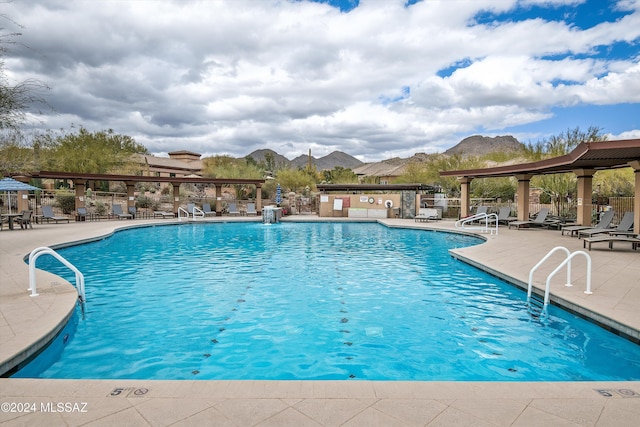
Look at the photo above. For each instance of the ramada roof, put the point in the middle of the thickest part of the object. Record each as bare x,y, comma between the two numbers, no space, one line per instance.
587,155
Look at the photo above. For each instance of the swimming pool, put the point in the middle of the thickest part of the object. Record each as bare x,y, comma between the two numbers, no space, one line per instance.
312,301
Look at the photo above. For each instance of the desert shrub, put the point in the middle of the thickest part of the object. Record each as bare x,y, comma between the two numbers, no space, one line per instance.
66,201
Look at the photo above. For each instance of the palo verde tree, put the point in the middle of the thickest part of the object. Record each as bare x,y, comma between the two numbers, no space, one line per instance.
94,152
560,187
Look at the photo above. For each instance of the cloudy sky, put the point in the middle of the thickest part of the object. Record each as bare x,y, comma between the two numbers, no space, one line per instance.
373,78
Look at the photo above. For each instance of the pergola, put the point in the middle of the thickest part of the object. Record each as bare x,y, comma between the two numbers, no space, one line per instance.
585,160
80,181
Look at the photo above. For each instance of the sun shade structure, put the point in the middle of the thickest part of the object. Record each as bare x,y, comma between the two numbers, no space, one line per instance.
80,181
10,184
585,160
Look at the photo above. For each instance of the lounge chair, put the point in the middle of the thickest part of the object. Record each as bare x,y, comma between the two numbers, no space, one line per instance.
635,242
481,210
25,220
427,214
81,214
233,210
503,215
251,209
206,208
47,214
625,226
117,211
602,225
163,214
133,211
539,220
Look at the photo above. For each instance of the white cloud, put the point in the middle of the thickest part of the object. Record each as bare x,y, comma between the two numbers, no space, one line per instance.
233,76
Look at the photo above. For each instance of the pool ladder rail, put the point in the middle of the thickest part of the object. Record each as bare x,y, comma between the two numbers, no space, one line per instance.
487,228
184,214
531,300
43,250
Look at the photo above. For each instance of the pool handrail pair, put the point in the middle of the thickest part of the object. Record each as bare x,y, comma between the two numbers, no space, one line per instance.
567,262
195,213
461,223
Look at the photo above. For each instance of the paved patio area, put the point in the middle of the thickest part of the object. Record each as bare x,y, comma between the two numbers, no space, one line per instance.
26,322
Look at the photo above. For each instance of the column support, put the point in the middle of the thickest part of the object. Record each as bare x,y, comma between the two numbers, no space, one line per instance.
585,194
259,199
636,201
524,182
218,199
465,196
176,197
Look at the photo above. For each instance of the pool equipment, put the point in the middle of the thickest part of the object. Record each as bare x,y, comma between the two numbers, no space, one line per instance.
271,214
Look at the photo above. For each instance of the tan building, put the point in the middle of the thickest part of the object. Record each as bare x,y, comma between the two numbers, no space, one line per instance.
180,164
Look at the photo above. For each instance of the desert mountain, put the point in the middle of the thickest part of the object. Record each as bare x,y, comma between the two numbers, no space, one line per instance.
478,145
328,162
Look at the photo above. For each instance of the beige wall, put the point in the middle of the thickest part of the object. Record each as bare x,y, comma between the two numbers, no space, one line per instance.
355,201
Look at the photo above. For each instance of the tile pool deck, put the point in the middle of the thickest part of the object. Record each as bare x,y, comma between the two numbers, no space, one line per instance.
25,320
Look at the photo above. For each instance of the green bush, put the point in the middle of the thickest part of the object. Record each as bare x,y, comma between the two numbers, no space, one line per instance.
147,202
101,208
66,201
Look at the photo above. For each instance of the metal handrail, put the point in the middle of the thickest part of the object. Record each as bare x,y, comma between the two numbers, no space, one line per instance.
461,223
36,253
186,212
198,213
567,262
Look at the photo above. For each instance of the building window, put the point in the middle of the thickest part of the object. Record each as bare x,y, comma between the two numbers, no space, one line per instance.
172,175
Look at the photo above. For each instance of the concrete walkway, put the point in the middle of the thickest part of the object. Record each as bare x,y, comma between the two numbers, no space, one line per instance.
27,322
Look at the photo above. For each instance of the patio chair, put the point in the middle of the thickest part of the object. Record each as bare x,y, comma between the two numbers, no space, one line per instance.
206,208
133,211
233,210
602,225
251,209
47,214
25,220
117,211
539,220
625,227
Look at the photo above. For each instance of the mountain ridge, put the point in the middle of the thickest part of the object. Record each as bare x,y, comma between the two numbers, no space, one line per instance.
475,145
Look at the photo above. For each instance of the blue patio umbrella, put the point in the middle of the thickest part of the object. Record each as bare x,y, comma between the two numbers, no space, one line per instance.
10,184
278,195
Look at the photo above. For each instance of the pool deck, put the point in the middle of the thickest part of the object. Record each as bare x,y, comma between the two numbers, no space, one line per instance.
28,321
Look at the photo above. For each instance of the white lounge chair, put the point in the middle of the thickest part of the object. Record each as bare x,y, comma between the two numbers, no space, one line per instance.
251,209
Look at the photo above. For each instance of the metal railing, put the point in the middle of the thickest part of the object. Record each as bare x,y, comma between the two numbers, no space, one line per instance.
36,253
567,262
462,223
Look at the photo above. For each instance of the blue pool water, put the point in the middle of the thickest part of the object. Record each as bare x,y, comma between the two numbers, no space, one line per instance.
311,301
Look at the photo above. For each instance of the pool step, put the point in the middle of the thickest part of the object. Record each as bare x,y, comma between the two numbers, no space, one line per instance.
535,305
